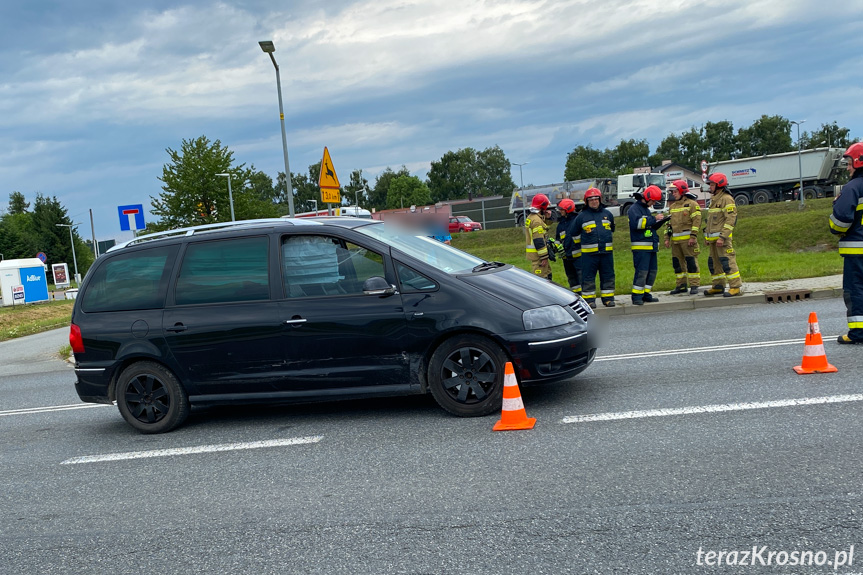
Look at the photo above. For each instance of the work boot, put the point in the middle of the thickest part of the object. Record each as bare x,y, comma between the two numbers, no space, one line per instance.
592,303
637,301
650,298
715,290
733,292
845,339
609,303
677,290
693,290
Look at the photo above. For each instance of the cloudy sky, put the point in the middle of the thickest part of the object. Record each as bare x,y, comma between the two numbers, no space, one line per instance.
92,92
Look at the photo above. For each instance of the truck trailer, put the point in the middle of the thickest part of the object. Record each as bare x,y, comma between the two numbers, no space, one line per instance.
776,177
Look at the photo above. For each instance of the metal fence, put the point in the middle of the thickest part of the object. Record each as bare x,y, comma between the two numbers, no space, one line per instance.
492,213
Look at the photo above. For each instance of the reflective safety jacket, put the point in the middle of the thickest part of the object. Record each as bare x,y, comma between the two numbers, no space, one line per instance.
642,228
536,232
847,217
596,229
564,234
685,220
721,217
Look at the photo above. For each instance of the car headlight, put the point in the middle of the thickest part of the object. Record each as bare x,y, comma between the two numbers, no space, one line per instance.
548,316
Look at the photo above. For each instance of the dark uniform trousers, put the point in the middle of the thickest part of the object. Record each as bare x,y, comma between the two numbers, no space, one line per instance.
646,267
852,279
603,262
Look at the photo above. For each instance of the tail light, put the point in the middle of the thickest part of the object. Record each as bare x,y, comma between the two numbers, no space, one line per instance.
75,339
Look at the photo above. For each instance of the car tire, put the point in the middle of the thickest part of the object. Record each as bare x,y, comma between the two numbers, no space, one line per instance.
466,375
150,398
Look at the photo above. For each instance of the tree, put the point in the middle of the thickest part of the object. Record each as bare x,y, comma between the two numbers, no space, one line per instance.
766,135
629,154
378,194
586,162
406,191
17,204
454,176
495,173
721,145
357,189
194,194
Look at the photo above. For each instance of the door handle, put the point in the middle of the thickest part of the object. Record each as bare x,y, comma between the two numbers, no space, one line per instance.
295,321
178,327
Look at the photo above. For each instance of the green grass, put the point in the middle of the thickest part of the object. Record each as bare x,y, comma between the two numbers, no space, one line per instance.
773,242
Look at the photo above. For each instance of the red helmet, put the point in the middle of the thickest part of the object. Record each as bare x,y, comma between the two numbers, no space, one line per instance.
681,185
719,179
652,193
592,193
855,154
567,206
540,202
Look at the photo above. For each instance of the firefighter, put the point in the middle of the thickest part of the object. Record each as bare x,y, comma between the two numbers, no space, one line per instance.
681,235
846,221
536,232
594,227
721,217
645,243
570,245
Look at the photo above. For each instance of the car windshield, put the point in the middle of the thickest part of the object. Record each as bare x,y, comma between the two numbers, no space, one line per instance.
464,219
423,248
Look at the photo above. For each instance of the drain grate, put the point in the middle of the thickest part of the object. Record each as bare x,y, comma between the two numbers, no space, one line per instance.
788,295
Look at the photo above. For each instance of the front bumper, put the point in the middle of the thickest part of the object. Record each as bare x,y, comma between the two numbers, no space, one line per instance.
552,354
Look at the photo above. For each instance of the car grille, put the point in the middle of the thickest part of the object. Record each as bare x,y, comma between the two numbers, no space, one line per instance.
581,309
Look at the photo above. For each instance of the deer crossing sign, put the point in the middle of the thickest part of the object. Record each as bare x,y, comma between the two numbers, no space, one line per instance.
328,181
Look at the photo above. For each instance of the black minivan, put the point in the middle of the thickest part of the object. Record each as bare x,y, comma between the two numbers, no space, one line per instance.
285,310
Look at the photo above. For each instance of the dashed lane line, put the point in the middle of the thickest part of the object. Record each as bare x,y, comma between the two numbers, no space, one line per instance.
613,416
48,409
192,450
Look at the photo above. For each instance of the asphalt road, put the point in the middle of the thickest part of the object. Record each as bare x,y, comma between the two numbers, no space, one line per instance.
399,486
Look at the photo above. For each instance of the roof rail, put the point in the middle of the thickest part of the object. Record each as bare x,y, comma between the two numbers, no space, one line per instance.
190,231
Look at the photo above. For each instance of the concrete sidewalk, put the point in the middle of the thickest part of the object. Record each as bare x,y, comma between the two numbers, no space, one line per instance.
753,292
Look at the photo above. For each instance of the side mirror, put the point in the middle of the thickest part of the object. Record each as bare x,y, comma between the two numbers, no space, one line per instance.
378,286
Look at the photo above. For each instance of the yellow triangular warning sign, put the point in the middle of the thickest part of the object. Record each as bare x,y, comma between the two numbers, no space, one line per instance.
328,178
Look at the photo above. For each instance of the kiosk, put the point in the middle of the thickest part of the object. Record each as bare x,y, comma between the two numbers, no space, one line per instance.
29,273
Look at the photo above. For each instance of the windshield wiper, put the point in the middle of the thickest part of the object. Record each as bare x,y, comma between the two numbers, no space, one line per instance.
487,266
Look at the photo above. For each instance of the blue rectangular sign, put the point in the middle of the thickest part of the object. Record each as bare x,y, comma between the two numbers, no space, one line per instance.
131,217
35,284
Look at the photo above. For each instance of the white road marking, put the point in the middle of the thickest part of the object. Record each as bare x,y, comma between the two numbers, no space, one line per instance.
712,408
29,410
192,450
658,353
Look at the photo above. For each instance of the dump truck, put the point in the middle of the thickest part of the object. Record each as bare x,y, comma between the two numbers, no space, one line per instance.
776,177
618,194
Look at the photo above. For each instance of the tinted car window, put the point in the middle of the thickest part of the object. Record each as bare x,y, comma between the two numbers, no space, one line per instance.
136,280
413,281
324,265
224,271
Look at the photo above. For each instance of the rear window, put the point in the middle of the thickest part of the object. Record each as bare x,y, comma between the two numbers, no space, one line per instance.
135,280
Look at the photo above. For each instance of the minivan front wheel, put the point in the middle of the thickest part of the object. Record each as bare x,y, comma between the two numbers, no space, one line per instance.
150,398
466,375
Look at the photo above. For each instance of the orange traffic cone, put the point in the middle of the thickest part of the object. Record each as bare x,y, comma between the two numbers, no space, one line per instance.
814,358
512,414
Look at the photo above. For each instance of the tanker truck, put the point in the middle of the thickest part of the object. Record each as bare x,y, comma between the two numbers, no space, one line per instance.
776,177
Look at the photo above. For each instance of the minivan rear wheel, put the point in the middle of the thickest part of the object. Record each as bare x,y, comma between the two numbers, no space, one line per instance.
150,398
466,375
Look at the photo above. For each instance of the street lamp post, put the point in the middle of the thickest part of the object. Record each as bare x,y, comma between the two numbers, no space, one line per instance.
523,200
800,160
72,240
230,195
268,47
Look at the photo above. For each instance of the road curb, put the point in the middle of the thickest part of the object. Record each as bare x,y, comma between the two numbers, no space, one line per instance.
673,303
